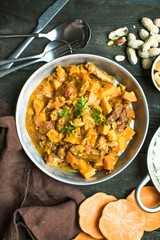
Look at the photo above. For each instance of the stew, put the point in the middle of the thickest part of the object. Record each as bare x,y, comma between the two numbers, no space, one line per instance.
79,119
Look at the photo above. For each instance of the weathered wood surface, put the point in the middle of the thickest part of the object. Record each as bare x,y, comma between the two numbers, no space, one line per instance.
103,16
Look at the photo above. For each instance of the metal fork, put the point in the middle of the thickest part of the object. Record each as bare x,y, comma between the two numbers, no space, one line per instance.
49,56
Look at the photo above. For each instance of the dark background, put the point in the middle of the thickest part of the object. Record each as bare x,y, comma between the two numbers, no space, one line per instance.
102,16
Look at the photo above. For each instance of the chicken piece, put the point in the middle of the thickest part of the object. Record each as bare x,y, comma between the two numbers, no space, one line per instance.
99,73
126,115
117,109
45,126
77,150
61,153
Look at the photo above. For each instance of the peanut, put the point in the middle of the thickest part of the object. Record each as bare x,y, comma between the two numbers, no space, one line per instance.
150,42
131,36
131,54
157,22
147,62
135,43
110,42
143,34
118,42
116,34
119,58
157,36
148,23
152,52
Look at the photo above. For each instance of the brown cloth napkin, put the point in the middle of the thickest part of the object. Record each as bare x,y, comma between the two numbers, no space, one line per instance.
32,204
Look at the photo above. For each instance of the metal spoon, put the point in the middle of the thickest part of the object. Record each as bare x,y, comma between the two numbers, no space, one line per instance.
50,46
47,57
68,31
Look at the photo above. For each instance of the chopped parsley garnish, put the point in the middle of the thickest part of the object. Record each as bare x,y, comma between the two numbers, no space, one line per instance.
104,122
68,130
96,115
64,113
81,106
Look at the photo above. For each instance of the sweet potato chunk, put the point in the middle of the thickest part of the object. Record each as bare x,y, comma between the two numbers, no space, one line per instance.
55,84
109,161
70,158
74,139
38,105
39,118
112,136
87,172
93,86
106,106
53,135
128,133
61,73
107,90
47,90
129,96
103,129
121,144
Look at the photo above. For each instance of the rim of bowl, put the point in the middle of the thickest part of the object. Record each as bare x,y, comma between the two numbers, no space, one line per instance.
85,56
152,72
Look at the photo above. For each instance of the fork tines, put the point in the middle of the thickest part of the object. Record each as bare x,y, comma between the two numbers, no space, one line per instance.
68,48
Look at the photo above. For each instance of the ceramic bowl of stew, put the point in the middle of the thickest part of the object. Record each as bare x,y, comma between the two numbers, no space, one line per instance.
139,125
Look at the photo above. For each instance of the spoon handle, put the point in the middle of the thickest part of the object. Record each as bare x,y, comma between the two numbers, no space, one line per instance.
3,62
13,69
19,50
18,35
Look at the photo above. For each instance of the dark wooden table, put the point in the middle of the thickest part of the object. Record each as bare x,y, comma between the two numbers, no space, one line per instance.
103,16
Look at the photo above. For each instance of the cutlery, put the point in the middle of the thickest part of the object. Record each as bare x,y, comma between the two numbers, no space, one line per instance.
43,20
50,46
64,31
48,56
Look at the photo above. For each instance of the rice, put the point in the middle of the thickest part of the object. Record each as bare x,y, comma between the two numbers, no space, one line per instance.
156,156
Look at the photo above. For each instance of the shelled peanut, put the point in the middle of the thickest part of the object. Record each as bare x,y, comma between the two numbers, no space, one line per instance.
146,47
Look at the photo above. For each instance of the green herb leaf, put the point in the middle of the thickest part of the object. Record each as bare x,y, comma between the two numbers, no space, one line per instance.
96,115
68,130
63,130
77,113
72,131
59,114
86,106
71,123
64,114
96,111
104,122
82,101
81,106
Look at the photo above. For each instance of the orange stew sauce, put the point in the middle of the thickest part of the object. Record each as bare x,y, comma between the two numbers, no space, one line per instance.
78,120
